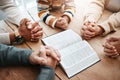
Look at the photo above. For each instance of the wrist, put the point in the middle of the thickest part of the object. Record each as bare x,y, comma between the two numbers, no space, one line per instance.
12,37
18,39
100,29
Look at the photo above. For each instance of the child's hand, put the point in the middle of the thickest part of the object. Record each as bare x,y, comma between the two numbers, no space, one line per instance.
62,23
30,31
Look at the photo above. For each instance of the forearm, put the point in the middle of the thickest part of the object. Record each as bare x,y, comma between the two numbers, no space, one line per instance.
12,11
94,11
112,24
10,55
46,73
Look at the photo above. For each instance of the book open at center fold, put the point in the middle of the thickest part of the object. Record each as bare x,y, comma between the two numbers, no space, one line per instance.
76,54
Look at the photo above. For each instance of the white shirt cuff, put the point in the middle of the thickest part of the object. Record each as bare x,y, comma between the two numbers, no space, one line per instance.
4,38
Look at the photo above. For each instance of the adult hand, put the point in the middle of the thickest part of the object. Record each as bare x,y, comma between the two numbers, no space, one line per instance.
23,30
53,53
90,29
45,56
30,31
62,23
112,47
36,32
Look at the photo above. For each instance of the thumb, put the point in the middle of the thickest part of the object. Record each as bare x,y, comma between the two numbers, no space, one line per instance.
29,25
32,26
43,52
24,21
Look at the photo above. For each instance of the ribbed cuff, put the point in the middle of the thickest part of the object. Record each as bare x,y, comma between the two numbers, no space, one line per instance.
106,28
69,14
51,21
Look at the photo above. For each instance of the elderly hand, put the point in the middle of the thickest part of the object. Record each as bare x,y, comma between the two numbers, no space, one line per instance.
112,47
90,29
62,23
45,56
30,31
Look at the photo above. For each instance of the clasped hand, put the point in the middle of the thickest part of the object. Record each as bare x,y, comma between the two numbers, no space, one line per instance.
45,56
90,30
62,22
30,31
112,47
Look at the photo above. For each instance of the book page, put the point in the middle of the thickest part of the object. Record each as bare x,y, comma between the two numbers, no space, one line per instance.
62,39
77,57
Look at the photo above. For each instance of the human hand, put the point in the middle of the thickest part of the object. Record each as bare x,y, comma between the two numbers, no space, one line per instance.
62,23
30,31
90,29
51,62
112,47
66,18
53,53
45,56
53,56
23,30
36,31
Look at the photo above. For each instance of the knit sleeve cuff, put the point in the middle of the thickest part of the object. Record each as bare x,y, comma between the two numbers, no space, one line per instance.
105,27
51,21
69,14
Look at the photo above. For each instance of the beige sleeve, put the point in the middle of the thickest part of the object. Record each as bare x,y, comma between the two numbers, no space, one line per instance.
94,11
112,23
14,15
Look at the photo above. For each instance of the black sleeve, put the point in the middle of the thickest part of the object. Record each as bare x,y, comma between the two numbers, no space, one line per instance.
46,73
10,55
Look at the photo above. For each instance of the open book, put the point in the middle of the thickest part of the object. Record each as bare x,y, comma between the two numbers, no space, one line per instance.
76,54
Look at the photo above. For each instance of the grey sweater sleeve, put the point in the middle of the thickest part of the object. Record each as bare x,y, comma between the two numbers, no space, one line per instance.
46,73
10,55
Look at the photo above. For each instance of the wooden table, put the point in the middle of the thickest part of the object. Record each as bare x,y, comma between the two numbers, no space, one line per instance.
106,69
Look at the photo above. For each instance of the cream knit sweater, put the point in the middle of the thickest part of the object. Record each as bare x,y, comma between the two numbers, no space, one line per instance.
95,11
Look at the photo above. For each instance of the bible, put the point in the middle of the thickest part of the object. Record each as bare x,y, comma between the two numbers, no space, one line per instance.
76,54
